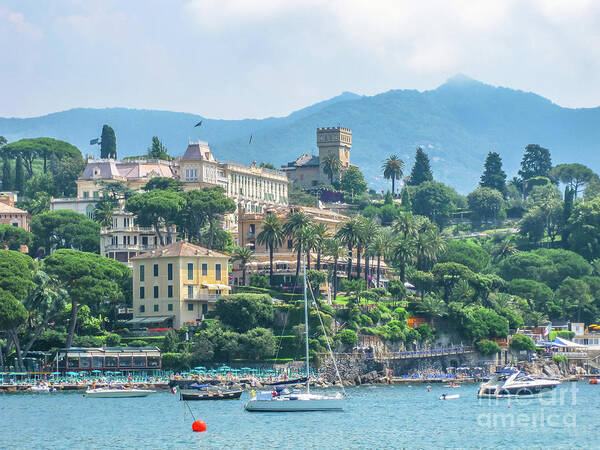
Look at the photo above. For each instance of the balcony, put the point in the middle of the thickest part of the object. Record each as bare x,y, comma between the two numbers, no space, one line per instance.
130,247
211,298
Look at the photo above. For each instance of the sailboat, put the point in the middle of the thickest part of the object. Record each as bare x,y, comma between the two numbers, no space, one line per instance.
282,399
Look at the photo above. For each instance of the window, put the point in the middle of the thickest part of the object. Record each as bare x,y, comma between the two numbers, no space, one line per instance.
170,307
169,271
86,194
204,308
190,292
142,308
217,272
155,308
170,291
155,291
204,269
142,272
290,244
145,241
190,306
155,270
190,271
142,292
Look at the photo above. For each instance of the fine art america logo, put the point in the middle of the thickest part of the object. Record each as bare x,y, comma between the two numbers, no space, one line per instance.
555,409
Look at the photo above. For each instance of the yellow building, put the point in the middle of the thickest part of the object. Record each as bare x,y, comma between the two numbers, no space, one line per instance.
177,284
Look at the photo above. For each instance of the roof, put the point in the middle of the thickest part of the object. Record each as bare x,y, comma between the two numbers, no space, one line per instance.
305,160
198,151
180,248
7,209
103,169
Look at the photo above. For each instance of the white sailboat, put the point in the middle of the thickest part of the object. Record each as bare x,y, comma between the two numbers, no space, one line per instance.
286,401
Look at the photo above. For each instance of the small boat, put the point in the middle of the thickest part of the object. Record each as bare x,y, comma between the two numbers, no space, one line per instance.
41,389
208,392
286,382
513,383
449,397
452,386
117,393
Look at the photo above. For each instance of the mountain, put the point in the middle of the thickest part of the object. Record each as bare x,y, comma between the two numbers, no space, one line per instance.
457,124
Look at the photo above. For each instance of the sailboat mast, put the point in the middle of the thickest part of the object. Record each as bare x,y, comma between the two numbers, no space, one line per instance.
306,322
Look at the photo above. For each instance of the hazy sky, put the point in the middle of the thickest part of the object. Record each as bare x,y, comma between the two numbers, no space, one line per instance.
257,58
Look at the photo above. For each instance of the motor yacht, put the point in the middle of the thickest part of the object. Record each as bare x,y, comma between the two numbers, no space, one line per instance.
515,383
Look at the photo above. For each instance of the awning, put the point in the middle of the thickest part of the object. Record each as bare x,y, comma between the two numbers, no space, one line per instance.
566,343
155,319
217,287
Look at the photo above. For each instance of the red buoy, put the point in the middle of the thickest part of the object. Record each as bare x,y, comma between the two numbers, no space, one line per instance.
199,426
594,381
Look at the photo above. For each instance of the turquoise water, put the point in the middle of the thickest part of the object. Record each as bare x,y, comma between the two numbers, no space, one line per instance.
375,417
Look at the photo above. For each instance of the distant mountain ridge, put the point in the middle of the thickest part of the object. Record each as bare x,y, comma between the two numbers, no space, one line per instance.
457,124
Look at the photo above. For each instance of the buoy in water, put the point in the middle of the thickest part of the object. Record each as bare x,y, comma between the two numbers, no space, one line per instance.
594,381
199,426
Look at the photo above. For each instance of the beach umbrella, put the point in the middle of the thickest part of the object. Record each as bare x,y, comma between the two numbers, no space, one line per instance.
96,371
246,368
200,368
116,373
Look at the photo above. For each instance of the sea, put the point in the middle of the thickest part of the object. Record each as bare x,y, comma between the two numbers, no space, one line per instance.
406,416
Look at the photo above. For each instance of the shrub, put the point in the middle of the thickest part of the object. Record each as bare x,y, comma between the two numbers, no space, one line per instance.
347,337
560,358
260,281
487,347
137,343
112,340
245,311
522,342
561,334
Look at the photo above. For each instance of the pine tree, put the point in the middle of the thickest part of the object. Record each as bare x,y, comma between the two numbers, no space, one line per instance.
7,178
493,175
421,171
108,146
19,175
536,162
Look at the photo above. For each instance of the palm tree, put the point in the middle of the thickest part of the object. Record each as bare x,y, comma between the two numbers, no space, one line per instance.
307,240
402,253
505,248
103,213
369,227
428,246
406,224
432,306
272,236
381,242
333,248
296,221
331,166
349,235
244,256
320,233
392,169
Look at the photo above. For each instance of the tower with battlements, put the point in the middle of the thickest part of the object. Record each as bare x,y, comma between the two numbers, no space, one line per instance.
335,141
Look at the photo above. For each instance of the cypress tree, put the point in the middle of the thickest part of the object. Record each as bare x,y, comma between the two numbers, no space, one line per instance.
108,145
493,175
7,179
567,209
421,171
405,199
19,175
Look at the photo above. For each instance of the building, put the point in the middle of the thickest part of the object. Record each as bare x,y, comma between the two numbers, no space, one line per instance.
250,186
285,257
124,239
132,173
177,284
308,170
121,359
11,215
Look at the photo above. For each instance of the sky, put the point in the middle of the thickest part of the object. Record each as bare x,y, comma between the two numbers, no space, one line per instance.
235,59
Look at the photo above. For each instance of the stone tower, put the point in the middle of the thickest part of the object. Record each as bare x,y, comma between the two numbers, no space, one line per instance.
333,141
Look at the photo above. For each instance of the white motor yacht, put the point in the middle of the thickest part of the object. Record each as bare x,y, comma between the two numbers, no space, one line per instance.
515,384
117,393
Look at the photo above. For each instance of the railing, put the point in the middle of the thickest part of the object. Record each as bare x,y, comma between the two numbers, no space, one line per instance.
204,298
129,247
